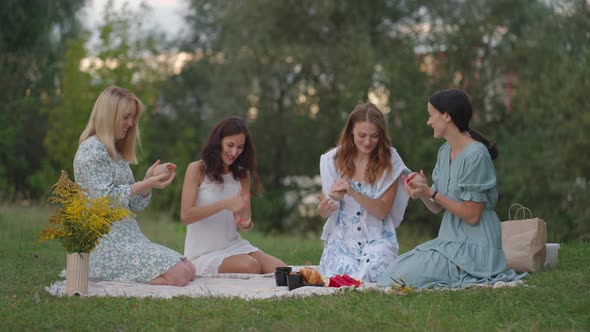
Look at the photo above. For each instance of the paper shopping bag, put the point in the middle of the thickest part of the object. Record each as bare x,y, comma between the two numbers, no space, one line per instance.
524,241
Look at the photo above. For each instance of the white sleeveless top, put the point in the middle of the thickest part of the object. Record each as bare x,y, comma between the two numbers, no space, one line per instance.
210,240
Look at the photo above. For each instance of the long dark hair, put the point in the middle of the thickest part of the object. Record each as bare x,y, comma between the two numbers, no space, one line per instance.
380,158
243,165
456,103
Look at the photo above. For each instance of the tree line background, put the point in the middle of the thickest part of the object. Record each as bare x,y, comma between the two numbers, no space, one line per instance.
294,70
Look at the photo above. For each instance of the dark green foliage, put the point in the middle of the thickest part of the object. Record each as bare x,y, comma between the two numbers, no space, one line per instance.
548,141
294,70
33,38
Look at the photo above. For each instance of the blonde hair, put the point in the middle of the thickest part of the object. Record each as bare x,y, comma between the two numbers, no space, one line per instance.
106,117
380,158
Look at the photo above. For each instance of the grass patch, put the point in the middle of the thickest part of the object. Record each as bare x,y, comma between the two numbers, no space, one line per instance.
553,300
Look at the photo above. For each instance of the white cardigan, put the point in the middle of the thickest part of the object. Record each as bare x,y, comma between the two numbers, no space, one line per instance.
329,174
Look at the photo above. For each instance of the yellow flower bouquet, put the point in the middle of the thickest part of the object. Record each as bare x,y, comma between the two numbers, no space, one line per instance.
79,221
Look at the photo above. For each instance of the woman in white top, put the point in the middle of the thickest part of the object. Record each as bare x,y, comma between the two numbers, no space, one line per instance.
362,198
216,204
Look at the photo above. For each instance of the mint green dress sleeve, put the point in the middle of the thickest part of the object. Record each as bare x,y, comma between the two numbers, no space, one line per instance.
477,183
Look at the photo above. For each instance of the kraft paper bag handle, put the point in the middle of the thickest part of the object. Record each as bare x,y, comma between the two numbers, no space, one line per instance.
520,208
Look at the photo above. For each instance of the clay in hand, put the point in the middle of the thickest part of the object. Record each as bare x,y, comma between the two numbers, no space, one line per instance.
162,169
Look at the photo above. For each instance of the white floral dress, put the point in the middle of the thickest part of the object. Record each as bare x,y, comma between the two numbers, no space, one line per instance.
124,254
350,250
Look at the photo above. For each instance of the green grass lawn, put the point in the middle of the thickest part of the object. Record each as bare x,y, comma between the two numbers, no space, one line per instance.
553,300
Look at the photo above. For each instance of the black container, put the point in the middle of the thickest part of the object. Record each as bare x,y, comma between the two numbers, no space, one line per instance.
281,275
294,280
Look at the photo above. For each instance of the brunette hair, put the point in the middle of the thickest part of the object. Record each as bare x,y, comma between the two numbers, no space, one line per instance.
107,115
456,103
243,165
380,158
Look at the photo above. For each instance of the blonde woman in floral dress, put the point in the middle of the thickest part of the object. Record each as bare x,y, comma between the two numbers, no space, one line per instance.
101,167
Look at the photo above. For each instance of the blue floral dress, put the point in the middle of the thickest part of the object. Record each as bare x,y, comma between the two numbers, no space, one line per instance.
124,254
349,250
462,254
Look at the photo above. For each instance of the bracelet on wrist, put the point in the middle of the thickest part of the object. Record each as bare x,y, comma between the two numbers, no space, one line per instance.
434,195
247,222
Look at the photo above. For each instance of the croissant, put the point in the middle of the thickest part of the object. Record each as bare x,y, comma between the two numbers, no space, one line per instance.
311,276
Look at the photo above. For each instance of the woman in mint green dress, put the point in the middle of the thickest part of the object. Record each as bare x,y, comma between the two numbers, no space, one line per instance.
468,249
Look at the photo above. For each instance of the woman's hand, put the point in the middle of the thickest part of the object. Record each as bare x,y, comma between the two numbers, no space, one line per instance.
245,212
150,172
414,188
160,181
153,181
341,185
337,195
237,203
326,206
243,224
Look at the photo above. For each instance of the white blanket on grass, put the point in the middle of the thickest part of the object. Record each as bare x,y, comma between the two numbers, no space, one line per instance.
242,285
245,286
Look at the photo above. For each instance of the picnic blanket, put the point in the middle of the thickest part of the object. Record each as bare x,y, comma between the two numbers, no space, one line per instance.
245,286
242,285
